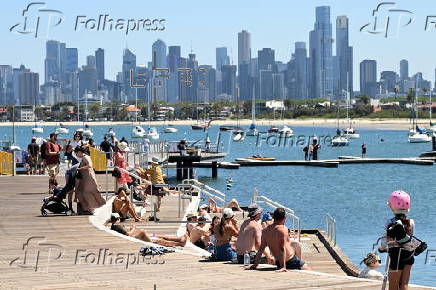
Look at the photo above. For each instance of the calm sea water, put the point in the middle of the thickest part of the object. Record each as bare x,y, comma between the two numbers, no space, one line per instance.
355,195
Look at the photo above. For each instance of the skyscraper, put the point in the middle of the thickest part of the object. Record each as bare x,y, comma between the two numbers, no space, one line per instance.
244,47
344,55
87,81
278,91
404,69
368,77
266,59
72,60
221,59
388,80
90,60
321,60
6,90
173,65
28,88
265,84
159,58
229,80
99,64
129,64
301,73
52,61
245,81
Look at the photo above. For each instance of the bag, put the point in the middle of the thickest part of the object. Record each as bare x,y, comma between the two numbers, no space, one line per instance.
43,150
116,173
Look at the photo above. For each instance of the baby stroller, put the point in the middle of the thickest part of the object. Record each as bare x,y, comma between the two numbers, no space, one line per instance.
56,202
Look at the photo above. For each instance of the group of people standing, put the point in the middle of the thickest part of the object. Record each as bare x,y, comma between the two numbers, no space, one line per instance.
311,151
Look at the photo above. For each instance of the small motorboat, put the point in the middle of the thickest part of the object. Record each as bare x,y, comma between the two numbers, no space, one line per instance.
340,141
286,131
87,132
62,130
37,129
261,158
152,133
226,128
351,133
238,136
138,132
170,130
200,126
252,131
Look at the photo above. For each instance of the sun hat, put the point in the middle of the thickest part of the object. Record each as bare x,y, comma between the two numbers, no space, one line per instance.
155,160
228,213
123,147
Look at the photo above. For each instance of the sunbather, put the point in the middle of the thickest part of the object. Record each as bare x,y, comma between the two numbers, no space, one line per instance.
123,206
142,235
199,235
224,232
213,208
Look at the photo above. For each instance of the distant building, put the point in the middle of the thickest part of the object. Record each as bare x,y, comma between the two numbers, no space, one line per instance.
99,64
159,58
129,64
25,113
174,80
388,81
229,80
344,55
266,84
6,86
368,78
28,92
87,81
244,47
278,92
221,59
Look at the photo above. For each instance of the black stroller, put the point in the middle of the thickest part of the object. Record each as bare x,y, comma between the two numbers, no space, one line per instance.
56,202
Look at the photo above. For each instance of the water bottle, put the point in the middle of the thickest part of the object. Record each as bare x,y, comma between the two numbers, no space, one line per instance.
246,259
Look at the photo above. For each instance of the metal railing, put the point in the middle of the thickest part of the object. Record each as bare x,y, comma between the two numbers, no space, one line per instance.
331,228
211,192
261,199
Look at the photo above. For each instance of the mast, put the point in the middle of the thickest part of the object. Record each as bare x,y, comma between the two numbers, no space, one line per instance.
253,108
431,105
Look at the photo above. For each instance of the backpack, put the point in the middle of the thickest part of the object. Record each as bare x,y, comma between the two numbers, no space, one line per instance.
43,150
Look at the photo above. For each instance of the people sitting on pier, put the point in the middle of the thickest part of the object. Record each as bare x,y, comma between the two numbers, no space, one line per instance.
212,239
199,235
190,217
266,220
249,237
372,261
123,206
276,238
203,212
224,232
213,208
142,235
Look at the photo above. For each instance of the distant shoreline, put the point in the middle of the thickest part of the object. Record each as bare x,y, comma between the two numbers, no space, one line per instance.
386,124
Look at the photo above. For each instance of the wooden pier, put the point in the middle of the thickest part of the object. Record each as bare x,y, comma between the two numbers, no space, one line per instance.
20,219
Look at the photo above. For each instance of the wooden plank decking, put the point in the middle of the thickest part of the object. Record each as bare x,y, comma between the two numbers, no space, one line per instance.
20,201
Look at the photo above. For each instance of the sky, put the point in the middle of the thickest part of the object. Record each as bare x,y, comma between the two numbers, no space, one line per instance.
205,25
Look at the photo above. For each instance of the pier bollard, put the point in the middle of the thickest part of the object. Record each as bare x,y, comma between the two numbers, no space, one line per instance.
214,169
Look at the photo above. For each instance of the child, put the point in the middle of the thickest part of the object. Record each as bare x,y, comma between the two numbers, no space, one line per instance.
372,262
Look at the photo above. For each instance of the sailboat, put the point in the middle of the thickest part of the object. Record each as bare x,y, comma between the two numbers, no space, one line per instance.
137,130
37,129
350,132
339,140
416,134
252,131
87,131
151,131
238,133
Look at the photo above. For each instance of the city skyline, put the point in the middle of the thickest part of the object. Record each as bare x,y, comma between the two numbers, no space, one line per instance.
293,28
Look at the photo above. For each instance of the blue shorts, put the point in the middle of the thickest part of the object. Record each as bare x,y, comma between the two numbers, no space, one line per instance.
293,264
225,253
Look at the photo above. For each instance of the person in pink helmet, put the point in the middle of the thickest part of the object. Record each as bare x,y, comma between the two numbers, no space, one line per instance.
399,229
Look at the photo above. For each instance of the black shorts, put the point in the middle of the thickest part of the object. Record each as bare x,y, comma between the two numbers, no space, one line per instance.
199,243
293,264
399,258
252,258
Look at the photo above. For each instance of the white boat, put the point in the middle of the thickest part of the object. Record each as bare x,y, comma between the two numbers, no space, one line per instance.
62,130
87,132
138,132
239,136
37,129
286,131
418,137
170,130
432,128
111,133
351,133
340,141
152,133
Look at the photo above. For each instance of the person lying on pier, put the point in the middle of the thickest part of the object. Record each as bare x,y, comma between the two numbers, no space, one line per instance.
142,235
276,238
372,261
249,237
224,232
199,235
213,208
203,212
123,206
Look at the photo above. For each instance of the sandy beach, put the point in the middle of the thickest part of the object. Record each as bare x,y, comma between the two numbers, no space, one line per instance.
382,124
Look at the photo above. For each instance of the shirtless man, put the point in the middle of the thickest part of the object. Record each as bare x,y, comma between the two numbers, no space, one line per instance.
200,234
276,238
249,237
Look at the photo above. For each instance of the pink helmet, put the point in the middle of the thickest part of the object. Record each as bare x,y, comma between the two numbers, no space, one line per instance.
399,202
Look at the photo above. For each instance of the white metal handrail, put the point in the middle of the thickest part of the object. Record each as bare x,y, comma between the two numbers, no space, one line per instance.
331,228
206,187
296,222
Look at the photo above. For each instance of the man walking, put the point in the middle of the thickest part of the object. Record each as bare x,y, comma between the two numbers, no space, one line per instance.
52,156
